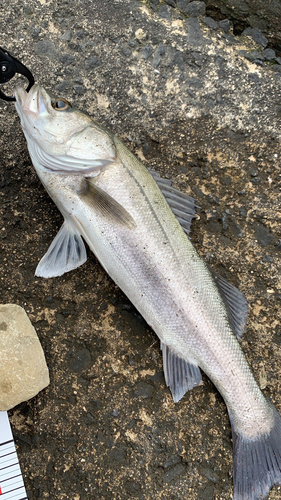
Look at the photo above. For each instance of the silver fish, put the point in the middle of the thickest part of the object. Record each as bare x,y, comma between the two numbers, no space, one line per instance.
137,224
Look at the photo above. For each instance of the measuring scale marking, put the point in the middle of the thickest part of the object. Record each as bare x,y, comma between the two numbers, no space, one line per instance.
11,481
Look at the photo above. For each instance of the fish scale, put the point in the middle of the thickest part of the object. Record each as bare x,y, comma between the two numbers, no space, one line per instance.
129,217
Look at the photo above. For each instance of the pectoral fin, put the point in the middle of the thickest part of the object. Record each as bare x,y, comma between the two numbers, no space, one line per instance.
180,375
104,204
66,252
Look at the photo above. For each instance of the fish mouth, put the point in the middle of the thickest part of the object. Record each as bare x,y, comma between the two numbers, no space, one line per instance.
32,102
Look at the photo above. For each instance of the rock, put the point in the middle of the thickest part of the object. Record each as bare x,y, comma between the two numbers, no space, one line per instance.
172,3
252,56
211,23
197,58
269,54
194,35
79,33
143,390
79,89
224,24
165,12
146,52
36,31
277,67
66,58
154,4
173,473
126,51
23,369
159,52
182,5
66,36
62,86
256,35
195,9
45,48
92,62
267,258
263,235
173,460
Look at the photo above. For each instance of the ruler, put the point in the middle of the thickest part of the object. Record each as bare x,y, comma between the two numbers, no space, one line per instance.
11,480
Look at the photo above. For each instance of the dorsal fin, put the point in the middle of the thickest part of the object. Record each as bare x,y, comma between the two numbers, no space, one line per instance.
235,303
183,206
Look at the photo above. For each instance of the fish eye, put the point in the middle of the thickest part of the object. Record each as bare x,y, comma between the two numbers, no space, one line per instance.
61,104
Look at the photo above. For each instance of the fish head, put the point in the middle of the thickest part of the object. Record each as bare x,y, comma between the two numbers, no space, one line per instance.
55,129
48,120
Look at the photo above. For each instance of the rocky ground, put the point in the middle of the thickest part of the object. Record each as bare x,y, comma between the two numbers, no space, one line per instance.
202,106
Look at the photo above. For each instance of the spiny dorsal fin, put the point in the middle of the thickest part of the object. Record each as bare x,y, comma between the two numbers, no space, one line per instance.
180,375
104,204
235,303
183,206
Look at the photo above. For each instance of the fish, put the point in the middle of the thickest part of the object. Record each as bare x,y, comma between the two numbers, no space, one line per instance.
137,225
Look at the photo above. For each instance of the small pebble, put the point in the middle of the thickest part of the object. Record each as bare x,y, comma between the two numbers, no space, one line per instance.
45,48
146,52
267,258
172,3
66,58
211,23
66,36
143,390
269,54
182,5
224,24
165,12
126,51
196,9
194,34
79,89
92,62
256,35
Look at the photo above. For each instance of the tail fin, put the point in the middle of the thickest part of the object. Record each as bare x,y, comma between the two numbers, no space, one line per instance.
256,463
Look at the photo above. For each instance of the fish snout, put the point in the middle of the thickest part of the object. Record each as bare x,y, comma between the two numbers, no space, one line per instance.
30,102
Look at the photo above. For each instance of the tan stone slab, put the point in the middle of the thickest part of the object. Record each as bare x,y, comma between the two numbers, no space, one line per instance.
23,368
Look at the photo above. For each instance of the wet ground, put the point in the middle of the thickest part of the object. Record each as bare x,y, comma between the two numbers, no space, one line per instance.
183,98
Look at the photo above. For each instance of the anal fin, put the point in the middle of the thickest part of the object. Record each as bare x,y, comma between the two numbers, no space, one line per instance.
66,252
180,375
